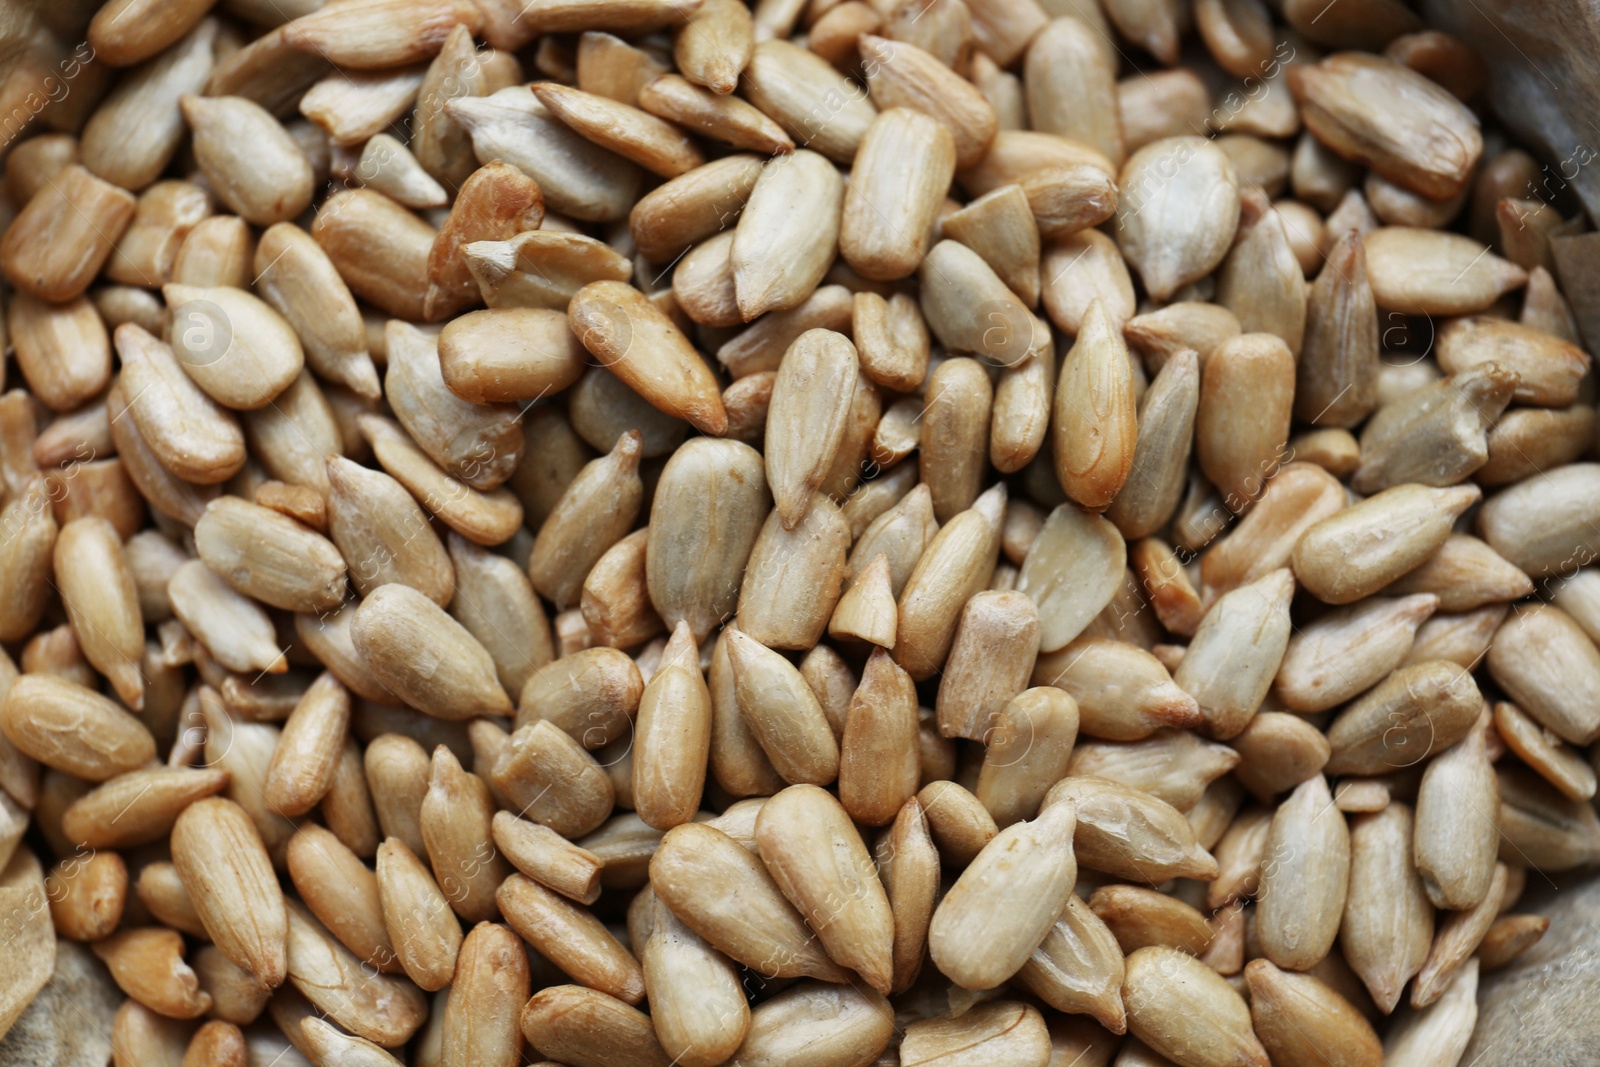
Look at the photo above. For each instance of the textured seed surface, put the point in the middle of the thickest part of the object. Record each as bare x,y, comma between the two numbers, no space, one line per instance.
633,533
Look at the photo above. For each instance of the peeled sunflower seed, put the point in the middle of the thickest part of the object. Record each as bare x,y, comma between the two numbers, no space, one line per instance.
934,174
1177,211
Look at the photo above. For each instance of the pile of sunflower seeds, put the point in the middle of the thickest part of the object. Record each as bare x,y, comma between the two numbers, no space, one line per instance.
977,533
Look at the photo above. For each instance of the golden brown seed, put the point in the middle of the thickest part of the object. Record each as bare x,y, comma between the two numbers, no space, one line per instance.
1129,833
1547,368
342,892
62,349
424,656
1070,82
387,33
266,555
639,344
1170,765
384,1009
1526,441
61,237
194,437
1261,280
333,1045
692,207
1509,937
217,252
819,862
1004,1031
86,896
592,695
956,563
1349,650
1138,917
1079,967
492,981
308,750
509,354
73,729
587,1028
1161,335
597,509
991,658
1545,753
298,279
694,561
793,577
697,1003
548,858
379,249
1538,823
891,340
540,269
571,937
1254,374
696,870
456,820
673,736
1123,692
494,204
798,88
96,586
1377,540
715,45
26,565
1457,835
1160,460
229,878
553,780
148,964
1417,710
1028,752
1236,652
807,418
1435,435
654,144
1541,524
425,933
835,1024
1375,111
1006,901
250,161
970,309
955,417
1301,1020
1094,413
878,764
1184,1010
1458,938
782,712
